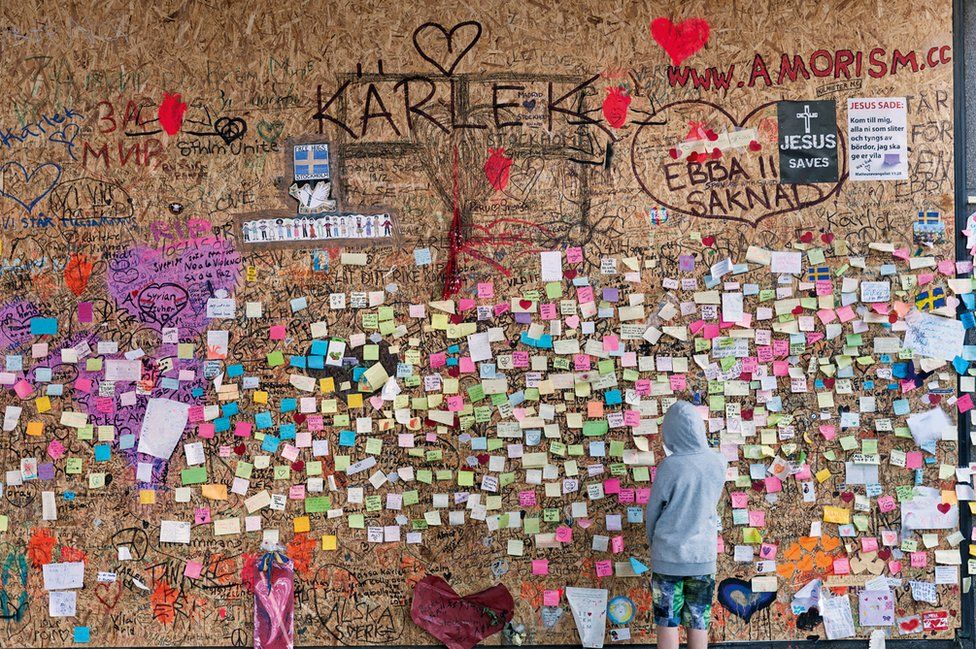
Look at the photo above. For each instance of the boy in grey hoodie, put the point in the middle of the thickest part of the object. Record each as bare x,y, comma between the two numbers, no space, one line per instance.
682,528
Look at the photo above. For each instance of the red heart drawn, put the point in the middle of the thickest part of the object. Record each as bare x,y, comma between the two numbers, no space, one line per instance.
708,241
525,304
944,507
460,622
806,237
682,40
910,624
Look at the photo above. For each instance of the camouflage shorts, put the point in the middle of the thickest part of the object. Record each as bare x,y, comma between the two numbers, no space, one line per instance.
685,601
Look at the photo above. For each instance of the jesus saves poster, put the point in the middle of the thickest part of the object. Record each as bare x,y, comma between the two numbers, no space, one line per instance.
807,141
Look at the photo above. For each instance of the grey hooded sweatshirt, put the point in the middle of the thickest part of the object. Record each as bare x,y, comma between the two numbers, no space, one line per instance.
681,520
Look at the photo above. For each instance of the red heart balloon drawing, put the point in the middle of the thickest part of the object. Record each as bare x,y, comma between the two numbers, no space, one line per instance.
460,622
682,40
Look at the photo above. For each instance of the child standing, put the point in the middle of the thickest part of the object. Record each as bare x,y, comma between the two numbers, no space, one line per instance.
682,529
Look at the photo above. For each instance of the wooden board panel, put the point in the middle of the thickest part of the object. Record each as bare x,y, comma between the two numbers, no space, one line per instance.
122,224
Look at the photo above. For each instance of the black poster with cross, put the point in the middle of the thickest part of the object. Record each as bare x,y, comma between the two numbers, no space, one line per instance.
807,141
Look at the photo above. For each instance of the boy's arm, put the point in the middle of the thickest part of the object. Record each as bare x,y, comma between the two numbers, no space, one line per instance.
655,505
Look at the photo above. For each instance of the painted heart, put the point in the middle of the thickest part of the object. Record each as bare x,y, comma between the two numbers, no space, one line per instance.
162,302
230,128
529,104
170,113
569,273
108,593
737,597
444,49
270,131
682,40
299,418
460,622
742,186
755,146
274,610
27,188
910,624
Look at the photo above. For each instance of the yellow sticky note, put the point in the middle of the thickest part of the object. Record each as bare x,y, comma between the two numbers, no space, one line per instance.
303,524
43,404
355,400
147,497
329,542
260,396
822,475
214,491
838,515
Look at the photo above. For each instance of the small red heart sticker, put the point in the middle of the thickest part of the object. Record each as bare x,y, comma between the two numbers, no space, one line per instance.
569,273
944,507
708,241
525,304
673,153
755,146
806,237
827,237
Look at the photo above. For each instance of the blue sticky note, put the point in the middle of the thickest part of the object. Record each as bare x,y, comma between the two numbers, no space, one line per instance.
613,397
230,409
298,361
270,444
421,256
43,326
103,452
638,567
961,364
42,374
55,390
235,370
14,363
221,424
82,634
635,514
127,441
347,438
287,431
901,407
263,420
169,383
316,362
319,348
288,404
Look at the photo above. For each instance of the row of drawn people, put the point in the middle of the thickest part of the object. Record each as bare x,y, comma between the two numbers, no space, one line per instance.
323,227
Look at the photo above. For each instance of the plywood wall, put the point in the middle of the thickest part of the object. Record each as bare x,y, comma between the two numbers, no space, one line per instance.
119,228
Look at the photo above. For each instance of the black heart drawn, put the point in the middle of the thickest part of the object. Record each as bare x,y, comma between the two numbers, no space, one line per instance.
449,37
230,128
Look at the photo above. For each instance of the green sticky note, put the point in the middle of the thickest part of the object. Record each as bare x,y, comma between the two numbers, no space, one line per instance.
642,474
751,535
465,478
577,450
317,504
282,472
194,475
411,497
357,521
374,503
425,475
371,352
341,462
93,364
554,290
595,428
550,515
531,525
374,445
275,359
869,446
848,443
73,466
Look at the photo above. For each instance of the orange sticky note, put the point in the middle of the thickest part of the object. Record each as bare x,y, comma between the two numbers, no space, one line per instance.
303,524
35,428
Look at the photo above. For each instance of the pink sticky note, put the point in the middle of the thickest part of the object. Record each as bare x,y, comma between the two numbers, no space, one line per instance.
804,473
829,432
85,312
611,486
550,598
846,313
757,518
527,499
768,551
604,568
23,388
617,544
740,499
277,332
947,267
574,255
438,360
887,503
205,431
919,559
965,403
193,569
85,385
914,460
202,515
486,290
901,253
540,566
842,566
869,544
55,449
242,429
564,534
466,304
773,484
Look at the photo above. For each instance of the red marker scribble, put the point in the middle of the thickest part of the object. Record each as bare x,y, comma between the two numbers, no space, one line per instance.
77,273
498,168
171,113
615,106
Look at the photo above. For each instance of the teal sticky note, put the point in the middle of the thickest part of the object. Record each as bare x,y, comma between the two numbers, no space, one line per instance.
347,438
44,326
82,634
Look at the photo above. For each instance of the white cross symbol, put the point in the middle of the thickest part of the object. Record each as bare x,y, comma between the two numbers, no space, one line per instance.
806,115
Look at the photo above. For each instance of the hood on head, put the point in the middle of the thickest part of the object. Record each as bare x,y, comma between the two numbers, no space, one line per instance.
684,429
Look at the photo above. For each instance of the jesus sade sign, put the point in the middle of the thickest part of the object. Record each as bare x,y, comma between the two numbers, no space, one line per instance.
807,141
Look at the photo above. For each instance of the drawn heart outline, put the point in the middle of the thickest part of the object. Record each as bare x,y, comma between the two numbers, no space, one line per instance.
449,38
737,597
739,123
28,177
682,40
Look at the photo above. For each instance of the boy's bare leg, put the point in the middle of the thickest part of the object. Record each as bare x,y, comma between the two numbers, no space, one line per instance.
667,637
697,639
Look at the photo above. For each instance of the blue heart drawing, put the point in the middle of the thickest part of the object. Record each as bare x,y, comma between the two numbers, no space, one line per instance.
28,202
736,595
61,137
